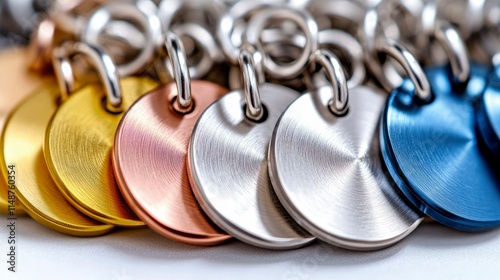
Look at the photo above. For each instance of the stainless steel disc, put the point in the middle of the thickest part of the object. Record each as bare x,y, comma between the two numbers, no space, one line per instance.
327,172
228,170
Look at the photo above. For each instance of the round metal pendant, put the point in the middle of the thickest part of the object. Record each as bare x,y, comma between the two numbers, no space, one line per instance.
22,142
432,153
327,172
78,149
227,162
488,114
17,83
149,158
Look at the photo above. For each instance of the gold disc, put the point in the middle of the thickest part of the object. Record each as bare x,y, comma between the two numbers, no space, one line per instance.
78,146
22,141
17,82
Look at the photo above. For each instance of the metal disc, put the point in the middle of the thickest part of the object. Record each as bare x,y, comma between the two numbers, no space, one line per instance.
432,153
327,172
488,115
78,149
22,142
227,162
149,158
17,83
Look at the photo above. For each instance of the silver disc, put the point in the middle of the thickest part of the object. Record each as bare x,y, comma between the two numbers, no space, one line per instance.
228,170
327,172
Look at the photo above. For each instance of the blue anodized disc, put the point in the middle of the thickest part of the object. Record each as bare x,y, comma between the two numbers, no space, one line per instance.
432,152
488,115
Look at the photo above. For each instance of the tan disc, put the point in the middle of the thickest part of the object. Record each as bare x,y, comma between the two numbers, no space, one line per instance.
17,82
78,148
21,143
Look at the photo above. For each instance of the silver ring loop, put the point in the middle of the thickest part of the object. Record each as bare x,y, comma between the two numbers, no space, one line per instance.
64,72
254,109
178,61
227,25
455,49
104,65
399,53
339,104
308,25
144,14
211,52
347,43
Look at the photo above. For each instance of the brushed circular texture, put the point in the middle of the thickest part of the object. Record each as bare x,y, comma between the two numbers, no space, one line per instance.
327,172
21,144
17,83
149,159
227,167
488,115
78,147
433,154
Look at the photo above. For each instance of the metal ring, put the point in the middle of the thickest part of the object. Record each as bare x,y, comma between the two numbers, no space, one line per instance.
345,42
227,24
399,53
455,49
101,61
259,21
178,61
144,14
339,104
211,52
254,109
63,71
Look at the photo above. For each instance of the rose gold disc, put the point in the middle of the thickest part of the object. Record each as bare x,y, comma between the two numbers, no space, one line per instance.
149,160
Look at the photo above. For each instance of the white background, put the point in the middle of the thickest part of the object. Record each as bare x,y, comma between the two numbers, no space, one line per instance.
431,252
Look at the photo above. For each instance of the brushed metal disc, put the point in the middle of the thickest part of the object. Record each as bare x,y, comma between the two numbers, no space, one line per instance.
22,142
227,162
78,147
17,83
149,158
432,152
327,172
488,114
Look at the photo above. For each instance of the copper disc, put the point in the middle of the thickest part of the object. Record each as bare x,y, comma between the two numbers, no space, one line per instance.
22,141
150,163
78,148
17,83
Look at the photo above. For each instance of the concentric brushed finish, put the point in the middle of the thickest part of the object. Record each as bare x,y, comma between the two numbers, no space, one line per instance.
227,162
150,164
78,147
327,172
17,83
432,152
22,141
488,114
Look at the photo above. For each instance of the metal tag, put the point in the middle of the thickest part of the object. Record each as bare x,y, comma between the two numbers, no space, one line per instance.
432,152
22,142
227,162
488,114
78,147
327,172
150,163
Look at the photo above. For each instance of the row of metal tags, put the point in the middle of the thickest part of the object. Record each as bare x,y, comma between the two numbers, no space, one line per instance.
265,164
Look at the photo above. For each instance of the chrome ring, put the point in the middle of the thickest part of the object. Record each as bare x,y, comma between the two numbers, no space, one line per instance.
254,109
178,62
305,22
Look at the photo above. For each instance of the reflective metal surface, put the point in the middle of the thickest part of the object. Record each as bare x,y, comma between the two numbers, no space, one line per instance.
149,159
22,142
488,114
432,153
17,83
327,172
78,148
227,162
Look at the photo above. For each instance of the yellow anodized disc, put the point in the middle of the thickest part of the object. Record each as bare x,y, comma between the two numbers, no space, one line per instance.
78,147
22,141
16,83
